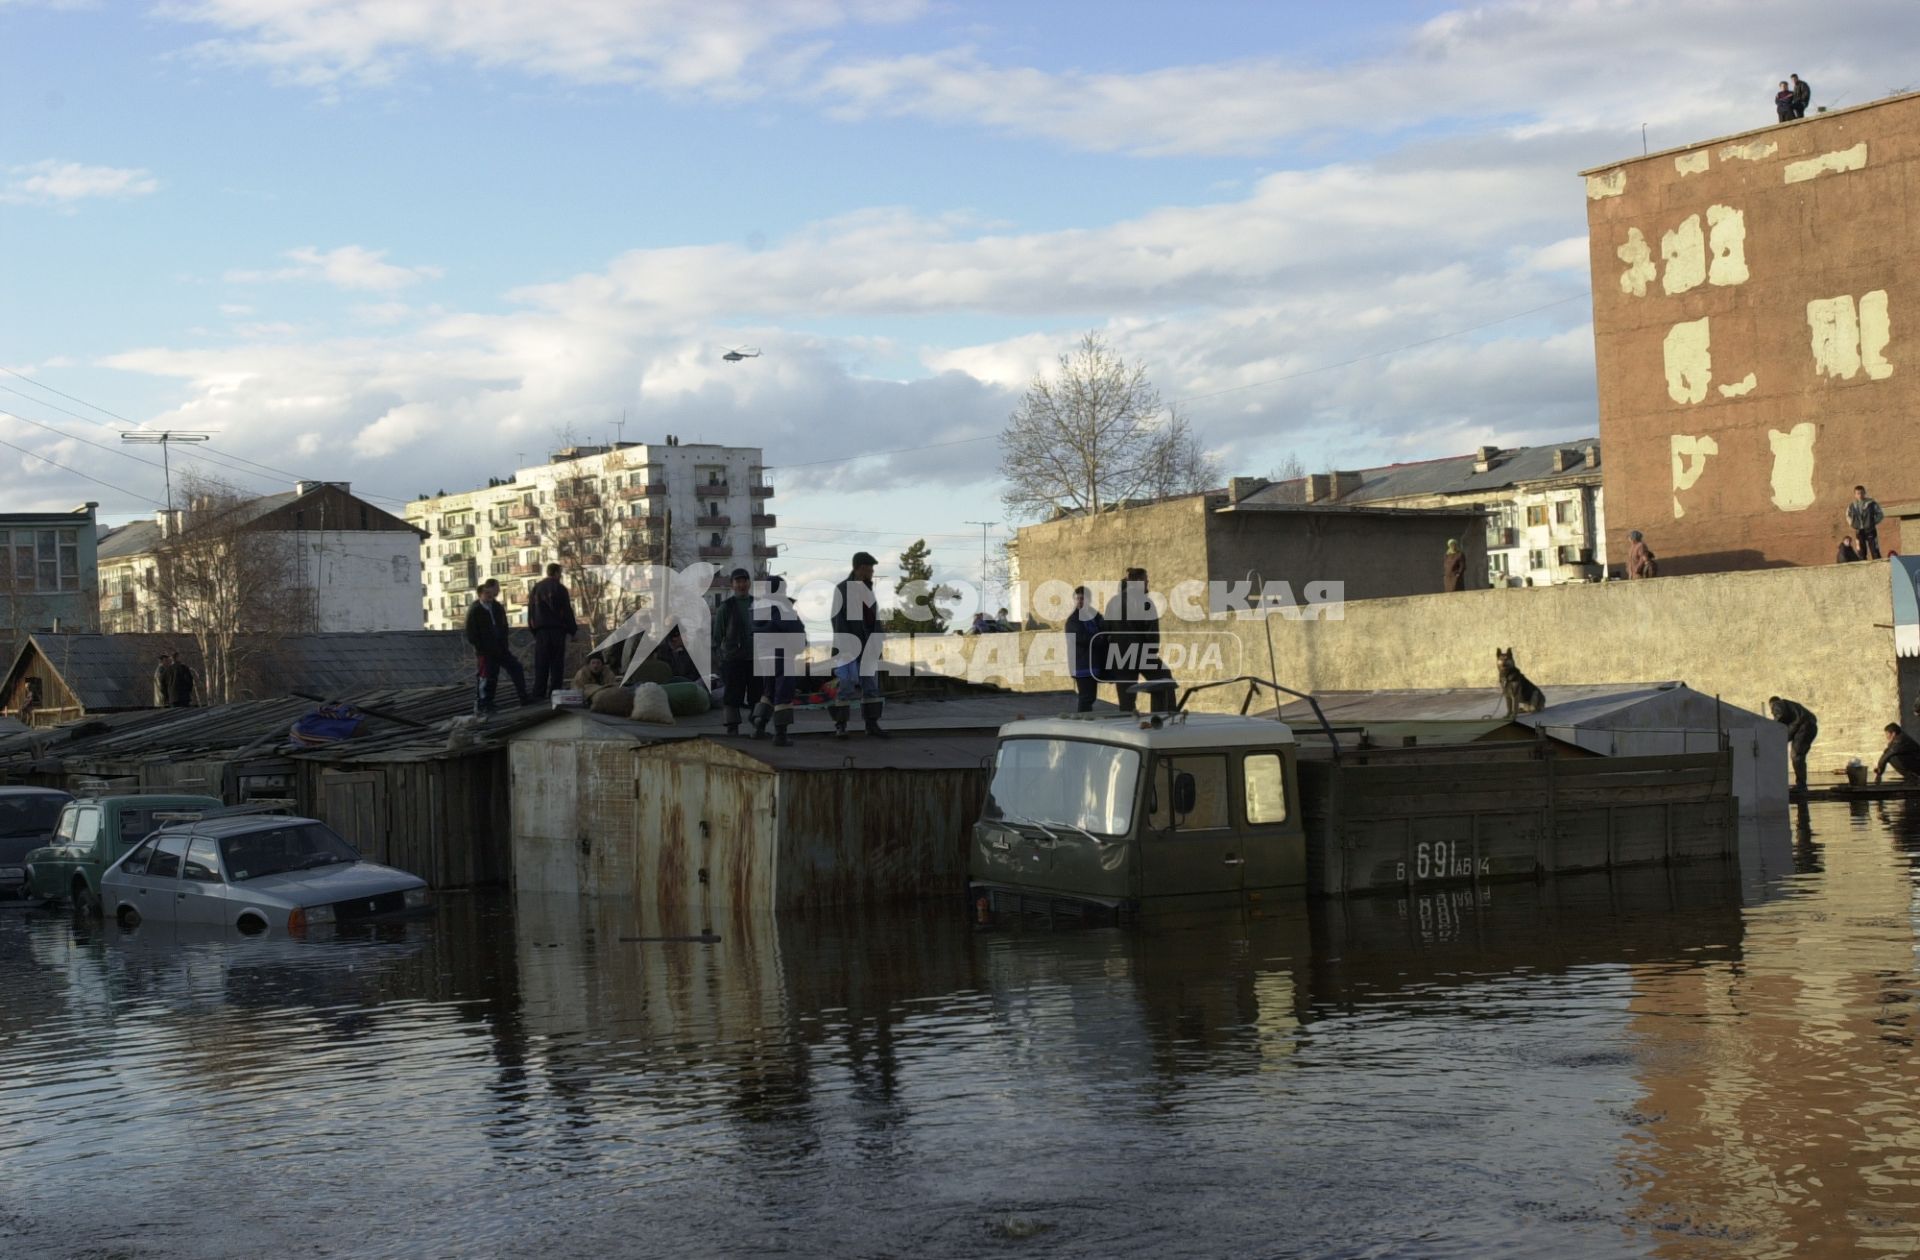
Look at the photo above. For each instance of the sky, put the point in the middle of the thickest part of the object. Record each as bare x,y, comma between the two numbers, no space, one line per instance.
412,244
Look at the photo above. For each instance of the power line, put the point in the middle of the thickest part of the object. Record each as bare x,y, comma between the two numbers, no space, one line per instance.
74,437
83,476
69,397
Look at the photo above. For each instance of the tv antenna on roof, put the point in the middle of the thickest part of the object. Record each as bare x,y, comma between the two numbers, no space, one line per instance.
163,438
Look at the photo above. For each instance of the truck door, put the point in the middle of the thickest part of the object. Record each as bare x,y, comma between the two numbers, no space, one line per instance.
1276,845
1189,845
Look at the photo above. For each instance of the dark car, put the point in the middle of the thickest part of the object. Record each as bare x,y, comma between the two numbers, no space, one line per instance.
28,816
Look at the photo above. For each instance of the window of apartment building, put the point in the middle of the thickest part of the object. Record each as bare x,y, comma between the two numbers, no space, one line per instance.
1537,514
1536,559
1566,512
1576,555
1497,563
40,559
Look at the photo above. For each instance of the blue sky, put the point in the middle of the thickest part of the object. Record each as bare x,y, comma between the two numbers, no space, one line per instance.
400,243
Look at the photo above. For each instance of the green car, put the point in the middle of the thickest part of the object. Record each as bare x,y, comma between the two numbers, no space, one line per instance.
92,834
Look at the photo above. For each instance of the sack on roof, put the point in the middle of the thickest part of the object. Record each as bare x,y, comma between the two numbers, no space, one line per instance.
328,724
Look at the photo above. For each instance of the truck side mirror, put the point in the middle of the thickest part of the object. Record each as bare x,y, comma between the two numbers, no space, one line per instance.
1185,794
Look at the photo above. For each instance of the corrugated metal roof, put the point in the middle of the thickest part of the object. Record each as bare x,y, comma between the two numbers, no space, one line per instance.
115,671
132,539
1566,705
1453,475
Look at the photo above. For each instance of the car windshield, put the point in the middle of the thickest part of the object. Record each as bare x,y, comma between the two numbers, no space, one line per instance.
1069,782
29,814
277,850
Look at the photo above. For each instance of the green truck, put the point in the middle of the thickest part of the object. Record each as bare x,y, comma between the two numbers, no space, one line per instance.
93,832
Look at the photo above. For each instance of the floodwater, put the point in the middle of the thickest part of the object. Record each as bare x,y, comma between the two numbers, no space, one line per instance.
1706,1061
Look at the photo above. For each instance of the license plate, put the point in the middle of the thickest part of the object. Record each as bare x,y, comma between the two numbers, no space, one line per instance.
13,872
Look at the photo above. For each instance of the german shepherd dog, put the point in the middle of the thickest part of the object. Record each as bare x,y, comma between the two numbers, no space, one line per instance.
1516,688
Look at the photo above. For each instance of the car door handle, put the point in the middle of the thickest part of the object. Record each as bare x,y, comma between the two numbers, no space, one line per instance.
1233,861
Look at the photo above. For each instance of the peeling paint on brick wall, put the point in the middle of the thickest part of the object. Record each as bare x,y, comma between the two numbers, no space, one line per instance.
1792,467
1611,184
1841,160
1689,461
1751,151
1689,361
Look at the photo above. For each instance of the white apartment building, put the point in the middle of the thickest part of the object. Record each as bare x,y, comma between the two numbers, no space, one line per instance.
668,503
351,565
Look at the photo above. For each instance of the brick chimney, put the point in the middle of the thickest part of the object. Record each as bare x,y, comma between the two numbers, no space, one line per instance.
1564,459
1485,457
1245,487
1319,487
1593,455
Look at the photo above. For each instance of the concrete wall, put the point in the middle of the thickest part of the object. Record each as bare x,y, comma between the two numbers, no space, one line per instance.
1752,313
1376,556
1185,539
1817,635
1168,540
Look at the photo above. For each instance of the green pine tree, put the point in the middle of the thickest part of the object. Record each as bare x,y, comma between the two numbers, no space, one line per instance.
917,599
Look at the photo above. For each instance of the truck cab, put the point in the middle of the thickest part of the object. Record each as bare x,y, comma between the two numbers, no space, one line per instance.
93,833
1119,812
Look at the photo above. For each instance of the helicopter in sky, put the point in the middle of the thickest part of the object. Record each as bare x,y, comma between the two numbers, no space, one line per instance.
741,352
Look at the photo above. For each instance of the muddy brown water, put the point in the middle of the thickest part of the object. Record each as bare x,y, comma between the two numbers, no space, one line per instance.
1707,1061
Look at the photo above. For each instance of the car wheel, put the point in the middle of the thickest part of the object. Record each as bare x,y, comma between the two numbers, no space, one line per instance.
128,918
85,902
251,925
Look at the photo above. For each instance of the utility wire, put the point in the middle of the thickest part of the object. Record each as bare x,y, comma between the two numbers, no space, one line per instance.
74,437
135,494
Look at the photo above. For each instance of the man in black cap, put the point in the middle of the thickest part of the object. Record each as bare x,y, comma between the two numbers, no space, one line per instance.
856,622
733,646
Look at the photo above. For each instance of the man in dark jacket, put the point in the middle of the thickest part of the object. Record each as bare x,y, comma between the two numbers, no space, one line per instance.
733,646
1084,628
1864,517
179,686
550,617
1133,645
492,648
856,623
1902,753
1802,728
778,639
1802,95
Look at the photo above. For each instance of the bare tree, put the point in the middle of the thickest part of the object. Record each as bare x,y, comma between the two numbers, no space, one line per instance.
1094,433
1178,463
233,587
1289,475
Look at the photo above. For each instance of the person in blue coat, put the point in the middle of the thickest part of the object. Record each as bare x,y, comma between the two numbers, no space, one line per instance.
1083,623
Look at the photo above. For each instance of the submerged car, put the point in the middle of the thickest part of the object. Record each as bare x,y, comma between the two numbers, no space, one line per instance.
1115,813
93,833
28,819
256,874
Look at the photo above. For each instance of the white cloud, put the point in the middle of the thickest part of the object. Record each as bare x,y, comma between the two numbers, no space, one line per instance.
346,267
55,183
720,46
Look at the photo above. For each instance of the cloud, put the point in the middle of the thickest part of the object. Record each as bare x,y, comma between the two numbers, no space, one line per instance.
62,184
715,46
347,267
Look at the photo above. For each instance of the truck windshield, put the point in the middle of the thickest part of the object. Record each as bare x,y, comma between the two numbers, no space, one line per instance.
30,815
1073,782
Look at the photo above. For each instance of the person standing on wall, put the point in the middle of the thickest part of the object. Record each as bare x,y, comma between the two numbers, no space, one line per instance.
163,681
1802,95
1864,517
1084,627
179,683
550,617
1783,102
487,634
1133,645
1844,553
778,639
733,646
856,624
1802,729
1641,562
1453,567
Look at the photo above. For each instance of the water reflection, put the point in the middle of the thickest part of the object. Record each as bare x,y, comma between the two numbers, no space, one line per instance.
1672,1062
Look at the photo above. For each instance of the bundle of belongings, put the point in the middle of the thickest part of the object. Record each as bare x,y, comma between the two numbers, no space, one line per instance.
328,724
